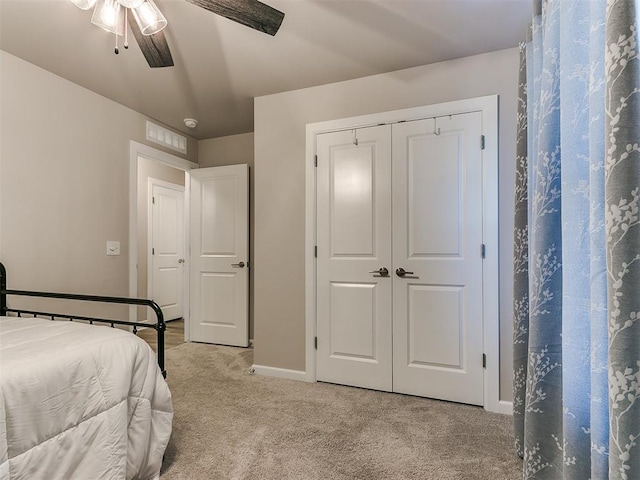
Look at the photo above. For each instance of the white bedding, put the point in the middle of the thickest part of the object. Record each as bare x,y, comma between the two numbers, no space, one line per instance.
79,402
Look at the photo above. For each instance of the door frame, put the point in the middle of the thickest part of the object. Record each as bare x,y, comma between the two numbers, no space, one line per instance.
151,181
136,150
488,106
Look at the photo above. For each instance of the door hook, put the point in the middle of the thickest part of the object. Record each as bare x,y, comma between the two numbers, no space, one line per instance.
355,138
436,129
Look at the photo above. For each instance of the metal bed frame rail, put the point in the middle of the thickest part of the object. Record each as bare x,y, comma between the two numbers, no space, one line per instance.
160,325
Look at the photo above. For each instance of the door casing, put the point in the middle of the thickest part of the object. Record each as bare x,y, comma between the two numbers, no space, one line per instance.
488,106
137,149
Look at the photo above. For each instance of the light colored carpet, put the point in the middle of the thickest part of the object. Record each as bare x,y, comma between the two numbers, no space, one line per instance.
229,424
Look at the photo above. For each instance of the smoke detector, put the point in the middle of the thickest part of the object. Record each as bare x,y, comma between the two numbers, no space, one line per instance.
191,122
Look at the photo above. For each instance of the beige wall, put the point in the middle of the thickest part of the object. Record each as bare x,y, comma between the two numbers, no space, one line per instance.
64,190
280,122
230,150
234,150
149,169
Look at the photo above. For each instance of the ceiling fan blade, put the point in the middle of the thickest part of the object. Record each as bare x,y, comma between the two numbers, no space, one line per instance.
154,47
251,13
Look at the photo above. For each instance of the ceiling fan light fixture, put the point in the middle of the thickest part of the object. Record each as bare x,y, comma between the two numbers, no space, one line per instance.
84,4
149,18
113,16
109,15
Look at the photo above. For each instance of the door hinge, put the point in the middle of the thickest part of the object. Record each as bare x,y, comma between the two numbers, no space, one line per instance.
315,160
315,342
482,142
484,360
483,250
153,251
315,251
153,200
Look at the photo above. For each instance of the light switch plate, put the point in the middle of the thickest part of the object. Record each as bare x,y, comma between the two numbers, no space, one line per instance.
113,247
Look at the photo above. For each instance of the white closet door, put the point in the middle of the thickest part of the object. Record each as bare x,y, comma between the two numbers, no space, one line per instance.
353,235
437,239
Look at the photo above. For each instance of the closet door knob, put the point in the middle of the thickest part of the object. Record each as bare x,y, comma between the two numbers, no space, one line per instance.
382,271
401,272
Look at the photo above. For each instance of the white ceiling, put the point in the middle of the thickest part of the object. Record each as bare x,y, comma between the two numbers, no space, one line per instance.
220,66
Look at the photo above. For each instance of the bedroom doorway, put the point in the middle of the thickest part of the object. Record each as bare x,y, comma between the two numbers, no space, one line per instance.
147,162
231,309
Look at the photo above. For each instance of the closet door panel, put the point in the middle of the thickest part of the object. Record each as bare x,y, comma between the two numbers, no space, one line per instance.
437,239
354,242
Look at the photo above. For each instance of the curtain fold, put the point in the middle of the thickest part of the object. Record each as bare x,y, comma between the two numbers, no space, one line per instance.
577,243
521,262
622,181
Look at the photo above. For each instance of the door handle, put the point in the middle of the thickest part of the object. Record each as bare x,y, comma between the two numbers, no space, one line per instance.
401,272
382,271
181,260
240,265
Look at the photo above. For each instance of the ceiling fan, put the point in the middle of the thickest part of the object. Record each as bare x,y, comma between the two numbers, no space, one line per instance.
113,16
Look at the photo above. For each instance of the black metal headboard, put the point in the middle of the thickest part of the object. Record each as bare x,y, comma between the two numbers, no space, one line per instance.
3,290
159,326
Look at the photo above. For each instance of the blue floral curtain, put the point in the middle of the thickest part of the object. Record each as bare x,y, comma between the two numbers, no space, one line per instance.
577,243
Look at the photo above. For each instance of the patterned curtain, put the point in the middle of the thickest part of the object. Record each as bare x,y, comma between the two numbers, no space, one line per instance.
577,243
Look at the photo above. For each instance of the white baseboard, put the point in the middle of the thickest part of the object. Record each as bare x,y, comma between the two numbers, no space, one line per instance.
505,407
280,373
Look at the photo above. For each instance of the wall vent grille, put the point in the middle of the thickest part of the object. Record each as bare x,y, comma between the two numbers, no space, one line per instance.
166,138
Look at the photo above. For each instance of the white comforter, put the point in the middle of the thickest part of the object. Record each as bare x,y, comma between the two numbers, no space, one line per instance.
79,402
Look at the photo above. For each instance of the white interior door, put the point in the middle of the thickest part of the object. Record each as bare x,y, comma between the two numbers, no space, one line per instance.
166,263
219,266
354,243
437,240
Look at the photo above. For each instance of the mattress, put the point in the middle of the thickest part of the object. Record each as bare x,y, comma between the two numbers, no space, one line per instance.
79,401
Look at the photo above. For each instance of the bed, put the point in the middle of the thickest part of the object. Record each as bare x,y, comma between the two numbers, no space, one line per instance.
79,399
